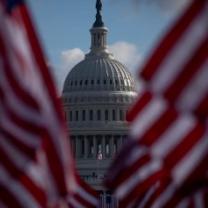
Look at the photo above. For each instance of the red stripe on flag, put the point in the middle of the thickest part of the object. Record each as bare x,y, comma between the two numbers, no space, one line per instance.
188,72
8,198
22,94
26,149
202,109
143,100
142,188
19,175
186,145
159,127
39,58
172,37
128,171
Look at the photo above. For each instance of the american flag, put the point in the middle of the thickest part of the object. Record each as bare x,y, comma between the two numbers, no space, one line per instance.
36,164
165,158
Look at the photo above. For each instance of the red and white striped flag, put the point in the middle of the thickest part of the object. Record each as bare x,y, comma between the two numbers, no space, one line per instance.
36,165
168,135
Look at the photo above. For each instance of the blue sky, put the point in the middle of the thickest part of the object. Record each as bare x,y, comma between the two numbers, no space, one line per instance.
133,29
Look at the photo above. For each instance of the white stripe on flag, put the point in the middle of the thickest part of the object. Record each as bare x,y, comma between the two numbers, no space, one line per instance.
15,187
148,116
86,196
173,136
188,163
191,96
180,54
137,177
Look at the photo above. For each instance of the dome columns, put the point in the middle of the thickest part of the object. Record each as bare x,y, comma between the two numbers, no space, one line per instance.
98,39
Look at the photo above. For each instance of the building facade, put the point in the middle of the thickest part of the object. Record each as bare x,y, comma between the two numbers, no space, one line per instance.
96,95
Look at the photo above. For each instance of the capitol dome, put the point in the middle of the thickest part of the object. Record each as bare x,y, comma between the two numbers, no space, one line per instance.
99,73
97,94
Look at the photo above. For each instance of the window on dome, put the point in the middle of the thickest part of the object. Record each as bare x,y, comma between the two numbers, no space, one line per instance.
86,82
70,115
104,81
98,36
114,115
106,115
98,115
75,83
83,115
71,83
77,115
92,82
91,115
111,82
80,83
98,81
116,82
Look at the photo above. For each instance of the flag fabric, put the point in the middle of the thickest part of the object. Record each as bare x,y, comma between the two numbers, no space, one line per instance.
168,143
36,164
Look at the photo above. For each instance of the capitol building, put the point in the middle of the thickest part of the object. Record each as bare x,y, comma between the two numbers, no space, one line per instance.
96,96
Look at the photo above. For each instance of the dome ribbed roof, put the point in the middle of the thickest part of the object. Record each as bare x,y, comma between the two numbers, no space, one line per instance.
99,73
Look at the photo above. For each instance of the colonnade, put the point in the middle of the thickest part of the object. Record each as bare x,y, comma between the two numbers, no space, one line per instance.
96,146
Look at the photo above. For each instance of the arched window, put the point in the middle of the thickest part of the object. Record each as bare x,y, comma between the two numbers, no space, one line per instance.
77,115
86,82
92,82
91,115
94,38
80,83
83,115
106,115
70,116
114,115
98,115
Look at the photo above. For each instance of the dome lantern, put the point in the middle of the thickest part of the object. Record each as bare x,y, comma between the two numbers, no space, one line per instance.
98,34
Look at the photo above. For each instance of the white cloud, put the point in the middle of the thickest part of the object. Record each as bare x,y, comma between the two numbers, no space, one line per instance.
71,57
124,52
68,58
